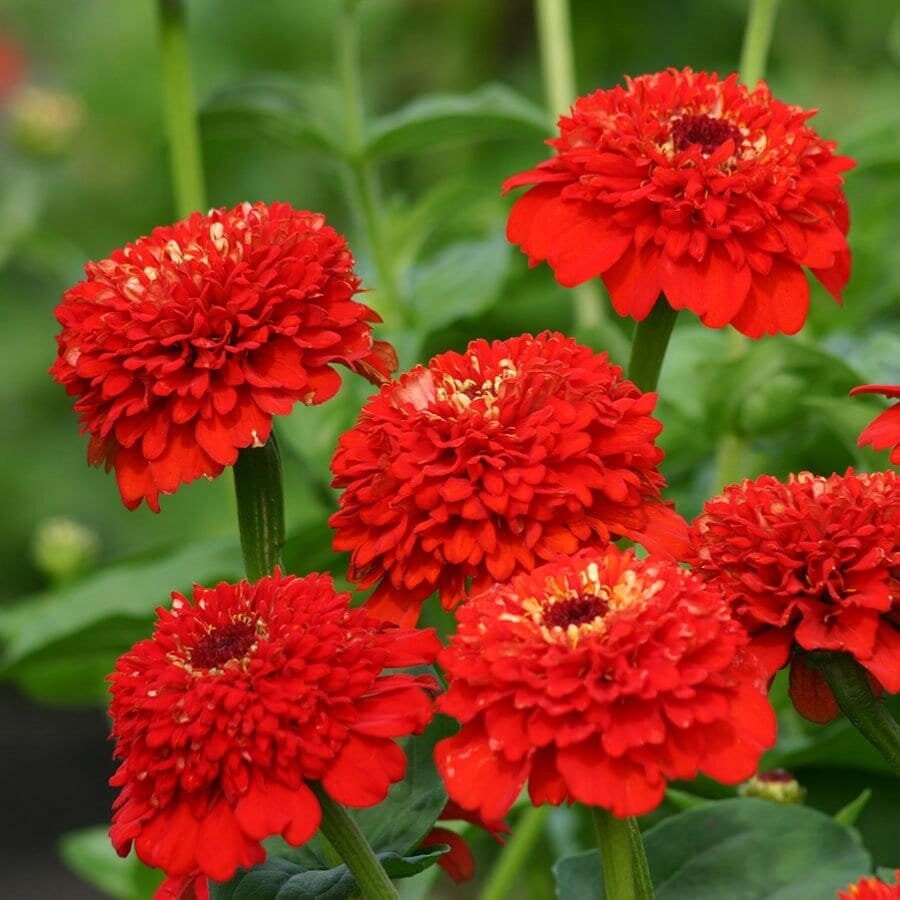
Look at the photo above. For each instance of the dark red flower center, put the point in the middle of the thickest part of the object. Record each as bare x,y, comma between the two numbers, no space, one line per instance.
223,644
707,131
775,776
576,611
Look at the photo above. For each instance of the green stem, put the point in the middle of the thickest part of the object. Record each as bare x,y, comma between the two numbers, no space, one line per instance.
181,116
648,346
732,451
345,836
626,875
850,686
757,38
518,849
363,176
731,462
554,32
260,502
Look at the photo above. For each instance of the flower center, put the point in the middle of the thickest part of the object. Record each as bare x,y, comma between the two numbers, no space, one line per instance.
707,131
222,645
575,611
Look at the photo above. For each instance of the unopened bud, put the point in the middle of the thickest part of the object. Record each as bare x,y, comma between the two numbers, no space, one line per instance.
43,122
64,549
777,785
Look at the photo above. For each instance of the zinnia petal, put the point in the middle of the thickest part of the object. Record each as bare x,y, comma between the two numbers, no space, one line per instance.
486,463
182,346
599,678
712,192
238,702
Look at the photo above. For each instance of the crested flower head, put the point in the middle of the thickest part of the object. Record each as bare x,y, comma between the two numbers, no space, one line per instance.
487,463
871,888
599,678
181,347
242,698
882,432
809,564
716,195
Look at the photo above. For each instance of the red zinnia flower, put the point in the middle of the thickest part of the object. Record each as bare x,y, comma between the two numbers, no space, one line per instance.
811,564
182,346
240,700
12,66
598,678
458,862
715,195
870,888
487,463
883,431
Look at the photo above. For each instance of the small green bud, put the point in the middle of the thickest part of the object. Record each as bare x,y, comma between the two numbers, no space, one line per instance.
42,122
63,549
777,785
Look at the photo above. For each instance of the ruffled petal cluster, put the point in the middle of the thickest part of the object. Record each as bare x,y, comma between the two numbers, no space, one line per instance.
812,563
240,700
716,195
181,347
871,888
489,462
599,678
883,432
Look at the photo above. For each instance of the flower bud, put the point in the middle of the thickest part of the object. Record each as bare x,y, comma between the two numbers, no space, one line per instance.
43,122
63,549
777,785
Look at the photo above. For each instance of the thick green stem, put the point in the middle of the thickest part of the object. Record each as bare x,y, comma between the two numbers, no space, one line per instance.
850,686
554,32
260,502
757,38
345,836
648,346
510,863
181,116
732,451
364,182
626,875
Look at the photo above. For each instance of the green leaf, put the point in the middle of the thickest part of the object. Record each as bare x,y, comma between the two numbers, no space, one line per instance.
746,848
58,642
298,114
461,281
393,828
493,111
287,880
847,815
89,853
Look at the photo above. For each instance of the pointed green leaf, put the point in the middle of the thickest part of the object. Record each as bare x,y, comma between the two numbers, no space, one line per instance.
285,880
494,111
746,848
295,113
462,280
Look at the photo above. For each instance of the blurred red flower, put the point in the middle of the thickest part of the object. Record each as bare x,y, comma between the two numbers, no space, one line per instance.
182,346
870,888
487,463
883,431
599,678
706,191
458,862
241,699
12,66
810,564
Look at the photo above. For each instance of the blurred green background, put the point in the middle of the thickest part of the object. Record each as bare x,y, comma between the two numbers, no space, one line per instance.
84,169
